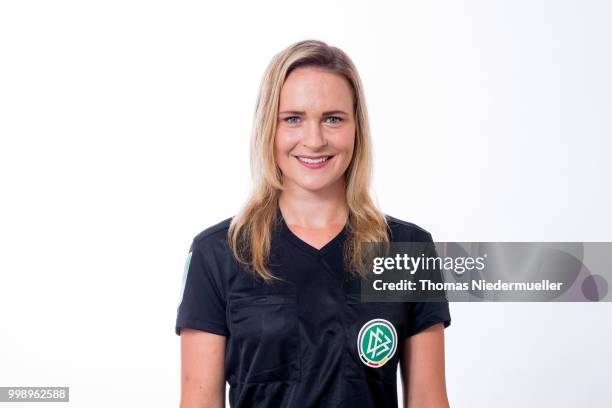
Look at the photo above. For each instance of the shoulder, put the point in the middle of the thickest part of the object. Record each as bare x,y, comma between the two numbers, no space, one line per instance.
214,236
213,231
404,231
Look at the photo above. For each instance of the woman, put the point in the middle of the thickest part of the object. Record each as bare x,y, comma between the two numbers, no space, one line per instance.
271,298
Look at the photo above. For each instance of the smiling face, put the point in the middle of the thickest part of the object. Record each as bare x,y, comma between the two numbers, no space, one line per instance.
315,135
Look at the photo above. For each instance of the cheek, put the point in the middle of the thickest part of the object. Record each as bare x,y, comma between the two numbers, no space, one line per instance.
279,144
282,147
346,142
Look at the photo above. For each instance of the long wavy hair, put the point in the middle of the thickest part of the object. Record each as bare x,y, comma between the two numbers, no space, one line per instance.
250,231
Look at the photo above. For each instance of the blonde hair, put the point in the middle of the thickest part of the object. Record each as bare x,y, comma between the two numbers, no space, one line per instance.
250,231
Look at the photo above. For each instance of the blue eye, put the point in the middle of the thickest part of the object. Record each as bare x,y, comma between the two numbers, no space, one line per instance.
289,119
336,121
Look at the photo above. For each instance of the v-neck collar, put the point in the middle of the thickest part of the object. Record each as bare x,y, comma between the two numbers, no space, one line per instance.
303,245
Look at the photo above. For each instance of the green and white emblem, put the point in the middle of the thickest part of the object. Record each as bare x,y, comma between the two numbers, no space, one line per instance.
377,342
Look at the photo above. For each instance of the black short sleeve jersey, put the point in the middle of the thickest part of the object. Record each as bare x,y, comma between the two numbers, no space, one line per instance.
308,340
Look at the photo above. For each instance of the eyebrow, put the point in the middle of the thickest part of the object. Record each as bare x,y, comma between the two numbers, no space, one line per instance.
332,112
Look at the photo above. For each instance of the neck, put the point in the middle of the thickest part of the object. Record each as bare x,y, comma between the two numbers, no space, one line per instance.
314,209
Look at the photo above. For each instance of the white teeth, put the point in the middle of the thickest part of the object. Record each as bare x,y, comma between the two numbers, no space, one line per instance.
313,161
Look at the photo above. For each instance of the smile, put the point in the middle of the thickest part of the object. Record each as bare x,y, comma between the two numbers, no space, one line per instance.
314,162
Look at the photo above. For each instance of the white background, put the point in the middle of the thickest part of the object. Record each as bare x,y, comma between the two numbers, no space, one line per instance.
124,132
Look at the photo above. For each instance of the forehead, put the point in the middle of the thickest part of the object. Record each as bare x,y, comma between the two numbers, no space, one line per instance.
315,89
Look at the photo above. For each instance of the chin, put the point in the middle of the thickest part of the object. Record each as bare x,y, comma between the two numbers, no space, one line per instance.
313,188
314,185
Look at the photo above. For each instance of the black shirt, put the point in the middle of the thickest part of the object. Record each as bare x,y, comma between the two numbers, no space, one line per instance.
307,341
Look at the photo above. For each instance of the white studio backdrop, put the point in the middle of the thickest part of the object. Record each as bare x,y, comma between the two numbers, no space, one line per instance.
124,130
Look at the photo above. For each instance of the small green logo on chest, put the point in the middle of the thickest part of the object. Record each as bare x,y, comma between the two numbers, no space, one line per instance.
377,342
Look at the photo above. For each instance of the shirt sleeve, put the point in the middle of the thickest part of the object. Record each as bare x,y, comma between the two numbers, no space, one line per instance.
202,304
422,315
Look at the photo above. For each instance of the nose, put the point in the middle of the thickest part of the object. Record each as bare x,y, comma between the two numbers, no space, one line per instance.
313,137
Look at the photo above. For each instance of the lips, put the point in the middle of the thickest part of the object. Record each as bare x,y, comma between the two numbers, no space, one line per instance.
314,162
